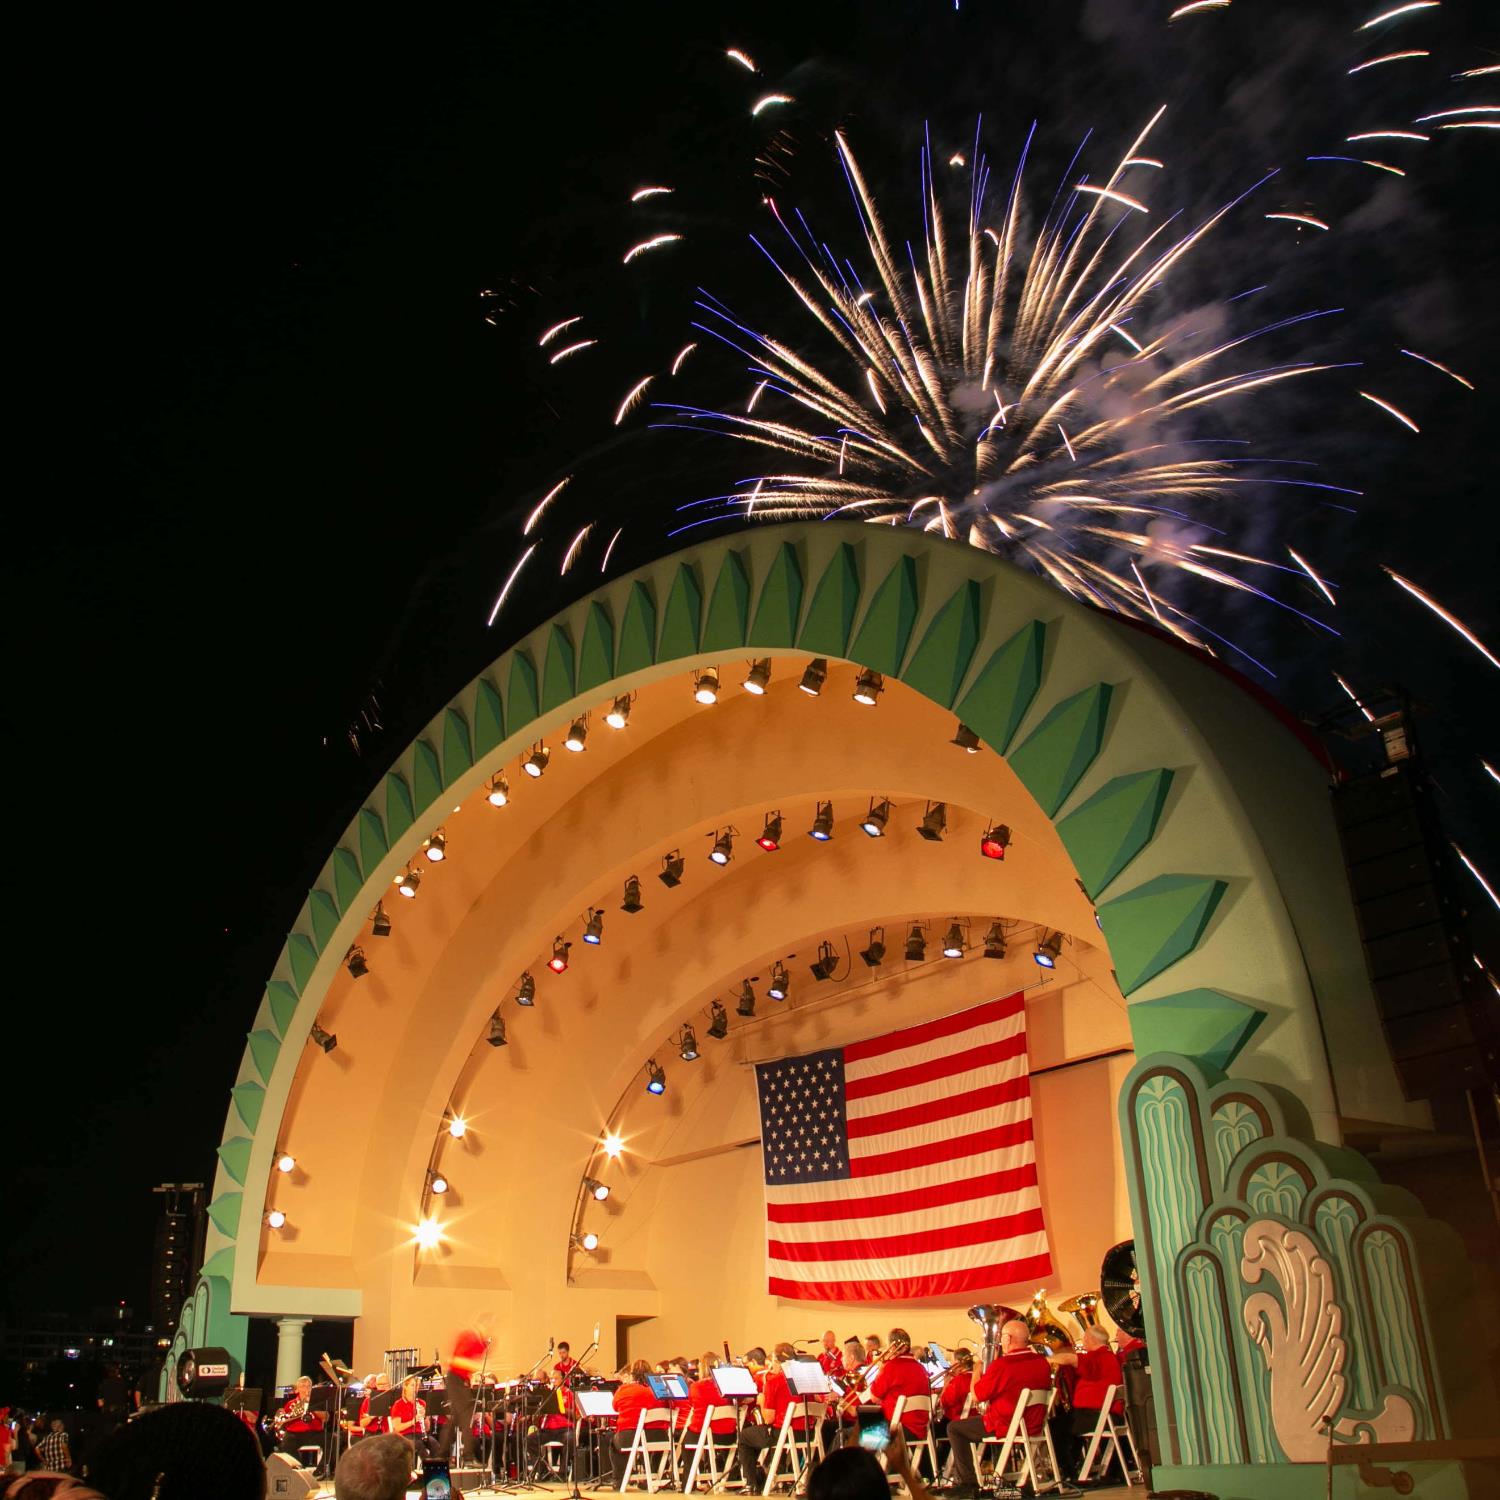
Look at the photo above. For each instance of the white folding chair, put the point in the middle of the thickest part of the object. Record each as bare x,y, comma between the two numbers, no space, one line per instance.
800,1447
709,1446
1107,1433
1030,1444
926,1445
646,1446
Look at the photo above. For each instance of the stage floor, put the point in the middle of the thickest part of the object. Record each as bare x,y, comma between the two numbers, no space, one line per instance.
1110,1492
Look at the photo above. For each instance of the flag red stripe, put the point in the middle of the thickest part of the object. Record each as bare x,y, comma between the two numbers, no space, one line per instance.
930,1031
949,1107
925,1242
989,1184
950,1150
937,1067
1029,1272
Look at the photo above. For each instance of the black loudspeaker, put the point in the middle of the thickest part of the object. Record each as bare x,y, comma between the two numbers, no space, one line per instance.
1437,1008
286,1479
203,1372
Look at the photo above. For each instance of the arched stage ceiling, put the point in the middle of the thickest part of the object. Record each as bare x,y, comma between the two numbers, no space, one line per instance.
1140,783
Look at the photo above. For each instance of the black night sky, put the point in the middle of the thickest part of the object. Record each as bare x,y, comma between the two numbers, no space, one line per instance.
278,456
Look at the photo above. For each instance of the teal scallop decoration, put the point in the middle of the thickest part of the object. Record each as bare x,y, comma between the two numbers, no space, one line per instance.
248,1098
1150,928
323,912
373,846
426,775
682,620
729,609
458,755
235,1154
224,1213
1201,1023
348,878
994,707
637,631
939,665
596,655
835,601
1104,834
886,630
489,717
399,812
282,999
558,675
264,1048
302,957
1062,747
522,703
780,601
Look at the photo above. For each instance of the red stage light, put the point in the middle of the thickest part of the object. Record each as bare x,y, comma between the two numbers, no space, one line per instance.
995,841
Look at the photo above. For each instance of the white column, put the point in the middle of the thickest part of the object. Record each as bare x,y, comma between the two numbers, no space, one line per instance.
289,1349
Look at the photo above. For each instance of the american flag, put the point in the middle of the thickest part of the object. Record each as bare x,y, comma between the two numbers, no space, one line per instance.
904,1166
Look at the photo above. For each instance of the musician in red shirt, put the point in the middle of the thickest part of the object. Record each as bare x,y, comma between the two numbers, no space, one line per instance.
1003,1385
631,1399
1098,1368
563,1365
294,1424
369,1425
409,1416
897,1375
830,1356
470,1349
955,1393
776,1398
702,1394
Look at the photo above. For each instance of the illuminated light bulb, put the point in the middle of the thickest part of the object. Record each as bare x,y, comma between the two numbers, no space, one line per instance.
526,990
723,849
966,739
499,792
656,1078
436,847
758,678
814,675
559,960
458,1127
429,1234
536,762
614,1147
781,985
276,1219
770,835
593,929
439,1183
822,829
706,686
878,816
286,1162
994,841
868,687
619,715
408,883
597,1190
953,944
578,734
1046,952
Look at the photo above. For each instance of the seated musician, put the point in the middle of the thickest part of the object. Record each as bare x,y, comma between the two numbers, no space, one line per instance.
897,1375
955,1392
297,1427
775,1401
872,1347
554,1424
409,1416
631,1399
830,1356
1098,1368
374,1385
702,1394
564,1364
1003,1385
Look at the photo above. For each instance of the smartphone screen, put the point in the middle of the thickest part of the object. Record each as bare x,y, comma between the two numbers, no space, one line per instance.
876,1437
437,1483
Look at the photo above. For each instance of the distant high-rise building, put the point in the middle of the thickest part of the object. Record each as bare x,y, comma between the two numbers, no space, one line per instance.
177,1252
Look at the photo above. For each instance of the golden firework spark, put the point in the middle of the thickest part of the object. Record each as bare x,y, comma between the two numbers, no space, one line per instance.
1386,406
654,243
1448,619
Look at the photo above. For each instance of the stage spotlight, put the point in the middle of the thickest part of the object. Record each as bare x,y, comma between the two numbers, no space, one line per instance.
408,883
656,1077
499,792
380,923
589,1241
596,1190
437,1182
536,762
687,1045
746,1007
578,735
619,714
458,1127
934,822
559,960
770,835
953,944
276,1219
354,961
435,847
994,942
759,677
814,675
672,866
614,1146
916,944
822,828
994,841
874,955
324,1039
706,685
868,686
826,962
632,902
593,929
1047,950
526,990
286,1162
878,816
966,739
496,1038
429,1234
781,985
723,849
718,1021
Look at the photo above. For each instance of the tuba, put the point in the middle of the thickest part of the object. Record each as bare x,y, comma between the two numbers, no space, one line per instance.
991,1317
1084,1309
1046,1332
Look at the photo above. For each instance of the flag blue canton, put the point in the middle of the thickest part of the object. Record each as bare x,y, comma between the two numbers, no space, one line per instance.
803,1133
